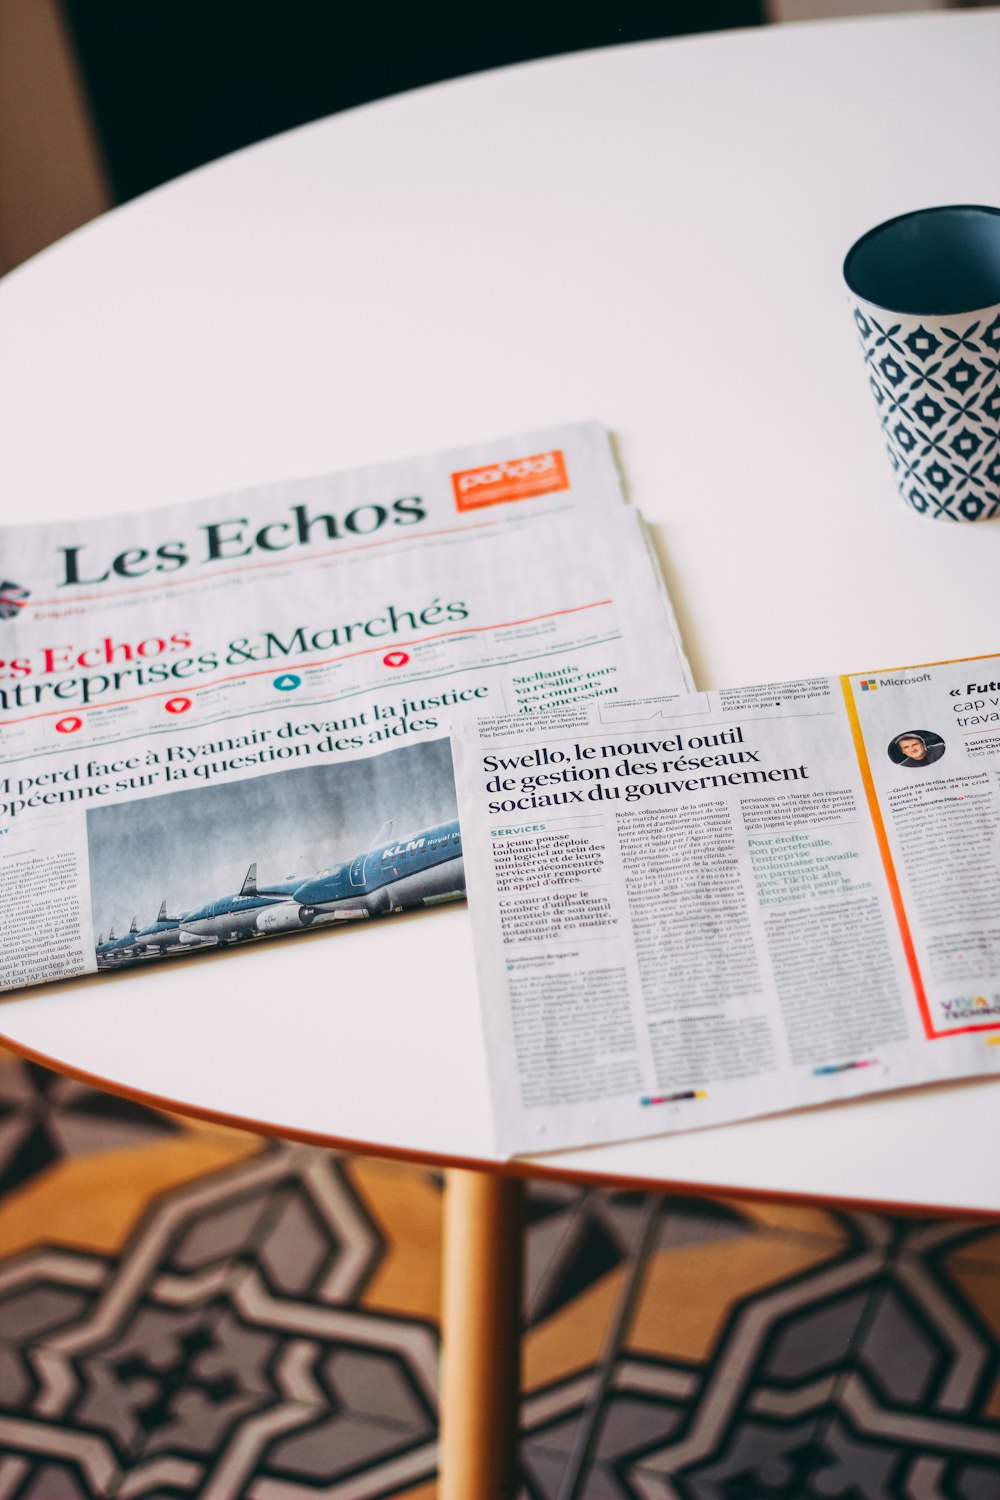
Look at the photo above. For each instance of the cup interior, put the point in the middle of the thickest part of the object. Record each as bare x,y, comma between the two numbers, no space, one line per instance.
933,262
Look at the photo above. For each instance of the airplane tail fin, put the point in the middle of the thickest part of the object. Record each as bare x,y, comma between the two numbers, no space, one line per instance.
384,834
135,926
249,887
161,915
100,940
111,934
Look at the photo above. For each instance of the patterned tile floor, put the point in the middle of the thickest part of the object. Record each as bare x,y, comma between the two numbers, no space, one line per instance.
193,1312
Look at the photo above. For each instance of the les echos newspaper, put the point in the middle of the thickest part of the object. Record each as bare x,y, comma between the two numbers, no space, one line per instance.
229,719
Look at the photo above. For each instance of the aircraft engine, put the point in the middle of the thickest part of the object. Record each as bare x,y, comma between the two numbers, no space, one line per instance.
442,882
288,917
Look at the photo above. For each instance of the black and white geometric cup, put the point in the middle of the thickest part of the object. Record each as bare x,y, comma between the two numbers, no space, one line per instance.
925,290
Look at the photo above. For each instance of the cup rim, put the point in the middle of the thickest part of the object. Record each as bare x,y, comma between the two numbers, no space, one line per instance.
913,213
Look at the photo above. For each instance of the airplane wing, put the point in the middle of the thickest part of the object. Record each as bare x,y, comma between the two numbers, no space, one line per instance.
249,886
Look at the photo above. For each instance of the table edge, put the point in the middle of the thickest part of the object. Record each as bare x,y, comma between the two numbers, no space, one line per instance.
514,1167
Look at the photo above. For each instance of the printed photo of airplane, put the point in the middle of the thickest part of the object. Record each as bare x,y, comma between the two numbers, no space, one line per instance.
394,874
161,935
117,950
247,913
145,942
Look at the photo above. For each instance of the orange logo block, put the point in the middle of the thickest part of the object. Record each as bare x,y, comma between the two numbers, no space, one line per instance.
514,479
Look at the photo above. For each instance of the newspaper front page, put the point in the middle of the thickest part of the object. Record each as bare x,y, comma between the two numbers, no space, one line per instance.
695,910
229,720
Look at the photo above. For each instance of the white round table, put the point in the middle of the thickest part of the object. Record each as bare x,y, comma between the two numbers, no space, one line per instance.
650,235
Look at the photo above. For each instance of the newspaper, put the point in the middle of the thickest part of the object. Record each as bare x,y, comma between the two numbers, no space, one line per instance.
693,910
228,720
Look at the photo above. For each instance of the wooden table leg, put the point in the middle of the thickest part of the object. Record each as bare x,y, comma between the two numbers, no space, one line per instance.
482,1326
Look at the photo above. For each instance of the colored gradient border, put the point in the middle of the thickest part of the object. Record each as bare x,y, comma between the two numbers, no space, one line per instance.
930,1030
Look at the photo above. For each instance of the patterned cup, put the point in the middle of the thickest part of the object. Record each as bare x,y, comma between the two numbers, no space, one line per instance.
925,289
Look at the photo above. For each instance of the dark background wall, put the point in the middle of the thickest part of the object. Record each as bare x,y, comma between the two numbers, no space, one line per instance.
176,83
102,99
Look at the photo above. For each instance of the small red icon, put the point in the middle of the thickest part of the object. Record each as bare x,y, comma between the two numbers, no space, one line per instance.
69,726
395,659
177,705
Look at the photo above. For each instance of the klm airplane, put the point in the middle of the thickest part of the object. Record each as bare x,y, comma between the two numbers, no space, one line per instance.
117,950
247,914
394,875
104,949
164,933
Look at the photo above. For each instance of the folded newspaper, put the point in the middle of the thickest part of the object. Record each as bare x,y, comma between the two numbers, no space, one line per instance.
228,719
694,910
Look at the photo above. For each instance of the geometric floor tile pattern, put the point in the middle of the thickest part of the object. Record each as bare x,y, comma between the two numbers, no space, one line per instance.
188,1311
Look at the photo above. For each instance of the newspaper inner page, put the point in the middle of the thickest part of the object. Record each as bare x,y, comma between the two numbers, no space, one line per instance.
229,720
693,911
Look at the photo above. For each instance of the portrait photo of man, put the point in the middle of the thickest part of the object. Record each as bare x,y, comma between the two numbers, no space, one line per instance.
916,748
